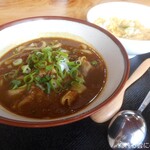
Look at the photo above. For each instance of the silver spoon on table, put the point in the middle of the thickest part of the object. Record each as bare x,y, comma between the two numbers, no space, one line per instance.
128,129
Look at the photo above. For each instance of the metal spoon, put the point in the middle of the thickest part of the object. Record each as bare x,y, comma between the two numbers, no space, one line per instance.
128,129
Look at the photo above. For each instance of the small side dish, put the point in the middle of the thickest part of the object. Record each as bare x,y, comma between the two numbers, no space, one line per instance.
127,21
50,77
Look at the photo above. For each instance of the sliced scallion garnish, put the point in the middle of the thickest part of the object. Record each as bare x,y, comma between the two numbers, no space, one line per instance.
17,62
26,69
49,68
15,84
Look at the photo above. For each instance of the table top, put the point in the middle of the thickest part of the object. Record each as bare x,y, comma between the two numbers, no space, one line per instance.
17,9
84,134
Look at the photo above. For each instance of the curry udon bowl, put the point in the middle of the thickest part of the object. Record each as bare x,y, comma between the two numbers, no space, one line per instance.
104,44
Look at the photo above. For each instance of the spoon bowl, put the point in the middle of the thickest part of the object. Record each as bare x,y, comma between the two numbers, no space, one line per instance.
128,129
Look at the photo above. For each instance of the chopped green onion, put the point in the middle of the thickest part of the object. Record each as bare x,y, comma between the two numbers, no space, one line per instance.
28,78
34,58
39,54
37,78
49,68
15,84
53,84
47,49
47,53
26,69
17,62
48,87
60,71
71,64
94,63
48,77
80,79
41,64
43,80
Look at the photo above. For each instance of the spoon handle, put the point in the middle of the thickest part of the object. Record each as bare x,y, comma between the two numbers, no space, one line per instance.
138,73
145,102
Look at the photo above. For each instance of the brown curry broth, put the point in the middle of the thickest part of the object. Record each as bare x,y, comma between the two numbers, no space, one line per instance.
49,105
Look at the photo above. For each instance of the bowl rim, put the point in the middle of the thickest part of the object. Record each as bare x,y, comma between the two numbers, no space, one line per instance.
49,123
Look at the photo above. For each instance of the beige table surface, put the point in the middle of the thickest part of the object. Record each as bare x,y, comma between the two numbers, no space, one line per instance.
16,9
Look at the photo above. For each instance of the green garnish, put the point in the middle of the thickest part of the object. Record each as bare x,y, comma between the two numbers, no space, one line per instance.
17,62
94,62
28,79
26,69
15,84
48,68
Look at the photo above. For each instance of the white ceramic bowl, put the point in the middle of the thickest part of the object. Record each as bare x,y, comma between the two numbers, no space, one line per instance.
114,54
125,10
